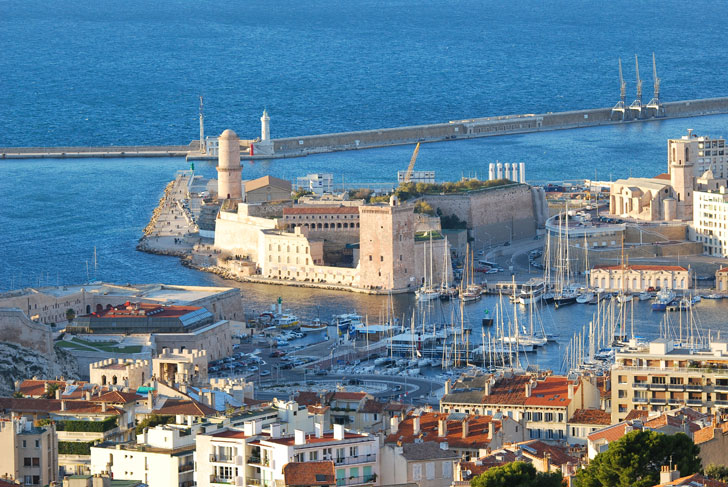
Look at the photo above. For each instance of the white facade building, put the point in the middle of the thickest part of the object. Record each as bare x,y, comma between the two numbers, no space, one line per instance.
317,183
417,177
710,221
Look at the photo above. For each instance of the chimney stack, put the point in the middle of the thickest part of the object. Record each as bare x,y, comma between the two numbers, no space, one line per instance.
442,428
486,387
447,386
63,404
338,431
58,393
103,407
491,429
300,437
318,429
393,424
150,401
528,389
572,387
667,475
416,425
466,428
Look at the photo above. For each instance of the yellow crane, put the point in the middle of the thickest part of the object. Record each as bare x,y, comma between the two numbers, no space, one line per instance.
410,168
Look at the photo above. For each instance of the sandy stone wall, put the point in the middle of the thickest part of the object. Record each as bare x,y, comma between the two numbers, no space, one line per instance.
15,327
422,262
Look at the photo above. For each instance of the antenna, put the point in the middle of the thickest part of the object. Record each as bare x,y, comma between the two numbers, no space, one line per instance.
655,102
620,106
203,149
637,104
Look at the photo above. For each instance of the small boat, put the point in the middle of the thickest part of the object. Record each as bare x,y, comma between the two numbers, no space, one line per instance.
645,296
427,294
585,298
565,298
446,294
313,327
714,296
624,297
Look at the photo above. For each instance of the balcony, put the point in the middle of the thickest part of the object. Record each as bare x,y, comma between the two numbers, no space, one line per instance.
256,482
186,467
264,462
720,388
720,403
694,402
357,459
675,387
640,385
223,459
640,400
694,387
659,401
658,387
366,479
673,401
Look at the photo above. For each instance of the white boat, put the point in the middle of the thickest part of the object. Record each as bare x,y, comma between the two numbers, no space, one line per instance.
645,296
585,298
662,300
531,292
427,294
624,297
285,320
714,296
313,327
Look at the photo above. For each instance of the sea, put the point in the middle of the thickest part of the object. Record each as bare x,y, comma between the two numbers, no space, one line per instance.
101,73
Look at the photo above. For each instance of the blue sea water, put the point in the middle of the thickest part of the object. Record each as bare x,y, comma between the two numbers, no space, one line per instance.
94,73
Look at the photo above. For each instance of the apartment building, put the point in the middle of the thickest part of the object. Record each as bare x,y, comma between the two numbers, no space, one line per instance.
253,458
638,278
664,375
29,453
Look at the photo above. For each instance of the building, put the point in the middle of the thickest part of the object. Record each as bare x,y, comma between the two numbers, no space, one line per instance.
229,170
721,279
188,367
324,221
663,375
584,422
317,183
427,464
122,372
637,278
710,212
427,177
671,478
543,403
309,474
267,189
161,456
143,318
29,453
253,458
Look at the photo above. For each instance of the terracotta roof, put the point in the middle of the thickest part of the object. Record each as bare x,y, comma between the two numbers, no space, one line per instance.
317,409
636,414
591,416
665,176
75,389
229,434
307,398
611,433
267,181
703,435
538,449
477,430
117,397
349,396
309,473
631,267
321,210
723,269
31,405
395,406
428,450
552,391
187,407
133,310
694,480
8,483
371,406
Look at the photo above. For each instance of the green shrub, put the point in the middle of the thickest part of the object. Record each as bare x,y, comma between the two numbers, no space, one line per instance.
87,426
75,447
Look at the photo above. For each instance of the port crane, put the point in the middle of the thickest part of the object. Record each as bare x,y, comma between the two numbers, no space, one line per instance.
637,104
411,167
654,103
620,106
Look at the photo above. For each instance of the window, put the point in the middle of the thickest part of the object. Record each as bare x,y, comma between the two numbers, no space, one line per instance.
36,462
26,461
446,469
37,443
24,445
417,472
430,470
312,456
353,451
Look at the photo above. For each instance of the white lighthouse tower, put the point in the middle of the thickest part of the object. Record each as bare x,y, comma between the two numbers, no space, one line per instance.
265,146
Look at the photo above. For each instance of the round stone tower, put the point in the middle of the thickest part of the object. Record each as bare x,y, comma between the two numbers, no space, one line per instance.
229,170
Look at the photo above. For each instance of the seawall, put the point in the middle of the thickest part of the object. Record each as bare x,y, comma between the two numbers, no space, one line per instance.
367,139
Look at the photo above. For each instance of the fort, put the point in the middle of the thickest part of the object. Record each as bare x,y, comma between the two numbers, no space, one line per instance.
266,148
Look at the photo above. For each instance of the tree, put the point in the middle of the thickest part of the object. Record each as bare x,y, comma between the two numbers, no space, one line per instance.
50,392
301,192
717,472
70,315
635,460
516,474
424,207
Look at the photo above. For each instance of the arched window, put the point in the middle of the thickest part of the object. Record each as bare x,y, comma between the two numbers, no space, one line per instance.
103,380
88,309
114,380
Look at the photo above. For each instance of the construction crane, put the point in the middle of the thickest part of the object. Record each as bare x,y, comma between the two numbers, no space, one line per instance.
410,168
620,106
637,104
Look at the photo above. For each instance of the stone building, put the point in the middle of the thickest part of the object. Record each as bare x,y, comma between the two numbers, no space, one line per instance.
188,367
267,189
339,223
638,278
647,199
721,279
120,372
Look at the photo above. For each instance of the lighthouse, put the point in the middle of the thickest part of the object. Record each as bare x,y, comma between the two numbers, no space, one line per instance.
265,146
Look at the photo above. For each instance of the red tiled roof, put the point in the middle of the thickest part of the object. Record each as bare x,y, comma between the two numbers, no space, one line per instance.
552,391
591,416
559,455
636,414
723,269
321,210
477,430
694,480
631,267
36,388
317,409
117,397
349,396
30,405
230,434
703,435
187,407
664,176
309,473
132,310
264,181
372,406
610,433
307,398
8,483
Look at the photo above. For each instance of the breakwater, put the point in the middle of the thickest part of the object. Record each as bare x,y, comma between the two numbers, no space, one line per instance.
366,139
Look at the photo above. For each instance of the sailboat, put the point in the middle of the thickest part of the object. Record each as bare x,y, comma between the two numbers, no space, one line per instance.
565,295
469,291
427,292
447,292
